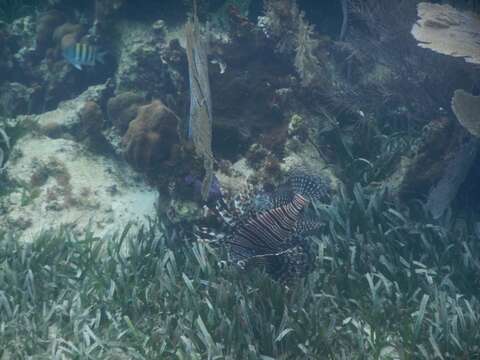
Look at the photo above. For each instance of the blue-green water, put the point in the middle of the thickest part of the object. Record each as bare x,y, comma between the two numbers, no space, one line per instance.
238,179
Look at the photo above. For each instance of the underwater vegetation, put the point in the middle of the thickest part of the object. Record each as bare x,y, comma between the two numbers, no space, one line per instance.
387,283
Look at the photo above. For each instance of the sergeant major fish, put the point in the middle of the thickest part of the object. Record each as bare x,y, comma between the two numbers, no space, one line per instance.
81,54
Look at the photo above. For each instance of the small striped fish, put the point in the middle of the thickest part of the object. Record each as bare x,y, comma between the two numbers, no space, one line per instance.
272,237
81,54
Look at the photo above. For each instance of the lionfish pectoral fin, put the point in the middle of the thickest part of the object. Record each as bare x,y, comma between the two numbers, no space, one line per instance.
313,187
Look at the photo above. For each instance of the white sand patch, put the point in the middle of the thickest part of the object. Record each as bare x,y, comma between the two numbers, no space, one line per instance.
59,182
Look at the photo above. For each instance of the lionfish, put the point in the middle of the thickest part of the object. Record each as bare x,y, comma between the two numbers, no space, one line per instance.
269,230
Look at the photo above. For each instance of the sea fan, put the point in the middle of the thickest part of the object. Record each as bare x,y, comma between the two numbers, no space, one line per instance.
200,121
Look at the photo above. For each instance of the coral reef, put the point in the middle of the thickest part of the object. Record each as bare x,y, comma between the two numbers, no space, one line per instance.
443,142
67,35
152,141
264,113
123,108
7,47
372,59
91,120
104,11
46,25
439,28
149,65
253,91
298,127
35,56
16,99
284,21
306,62
183,212
71,116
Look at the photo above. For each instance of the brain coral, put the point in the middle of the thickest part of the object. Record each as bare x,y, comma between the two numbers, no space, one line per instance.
123,108
152,138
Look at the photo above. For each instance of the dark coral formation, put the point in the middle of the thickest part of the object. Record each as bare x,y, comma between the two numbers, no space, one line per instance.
152,140
123,108
91,119
67,35
247,91
104,11
153,66
46,25
15,99
8,47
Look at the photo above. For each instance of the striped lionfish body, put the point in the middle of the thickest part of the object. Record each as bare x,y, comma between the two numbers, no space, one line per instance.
268,231
269,239
271,232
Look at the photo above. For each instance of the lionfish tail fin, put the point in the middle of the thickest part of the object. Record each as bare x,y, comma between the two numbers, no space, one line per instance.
313,187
